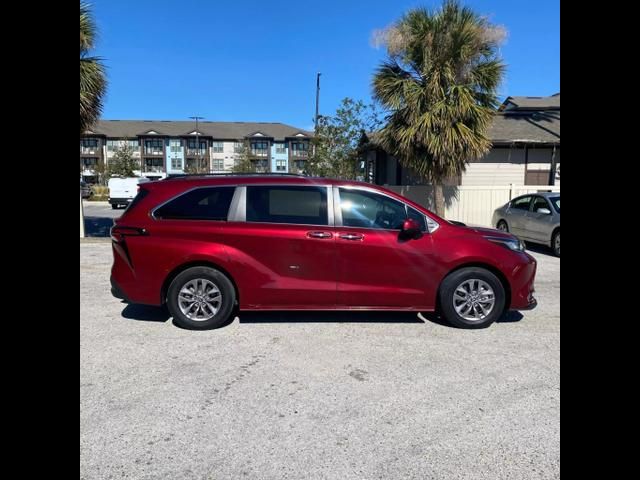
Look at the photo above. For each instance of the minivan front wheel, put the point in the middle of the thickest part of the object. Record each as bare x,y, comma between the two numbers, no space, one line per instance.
201,298
472,297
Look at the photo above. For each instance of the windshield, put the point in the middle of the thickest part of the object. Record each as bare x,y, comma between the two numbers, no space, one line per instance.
555,201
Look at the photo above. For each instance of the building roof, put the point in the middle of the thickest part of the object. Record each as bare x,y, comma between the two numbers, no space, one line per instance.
218,130
521,124
525,127
531,103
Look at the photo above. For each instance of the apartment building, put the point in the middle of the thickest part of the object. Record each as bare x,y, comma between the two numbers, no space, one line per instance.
171,147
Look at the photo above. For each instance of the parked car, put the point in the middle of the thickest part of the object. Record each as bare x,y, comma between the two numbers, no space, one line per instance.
533,218
205,246
85,189
122,190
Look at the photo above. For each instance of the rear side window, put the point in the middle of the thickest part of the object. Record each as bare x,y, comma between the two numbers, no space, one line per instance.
208,203
287,204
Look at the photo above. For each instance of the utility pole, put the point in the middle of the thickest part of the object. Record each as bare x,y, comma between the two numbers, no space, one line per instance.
196,118
317,98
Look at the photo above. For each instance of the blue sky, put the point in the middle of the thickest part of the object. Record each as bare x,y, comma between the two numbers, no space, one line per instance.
247,60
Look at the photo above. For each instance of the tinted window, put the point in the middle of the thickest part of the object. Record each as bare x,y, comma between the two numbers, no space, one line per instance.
371,210
521,203
284,204
539,202
555,201
418,217
199,204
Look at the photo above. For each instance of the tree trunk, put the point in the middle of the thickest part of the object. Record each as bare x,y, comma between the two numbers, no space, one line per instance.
438,199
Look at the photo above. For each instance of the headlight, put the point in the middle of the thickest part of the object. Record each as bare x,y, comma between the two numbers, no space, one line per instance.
510,243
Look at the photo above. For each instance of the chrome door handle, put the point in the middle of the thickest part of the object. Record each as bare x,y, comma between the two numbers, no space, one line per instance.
319,235
351,236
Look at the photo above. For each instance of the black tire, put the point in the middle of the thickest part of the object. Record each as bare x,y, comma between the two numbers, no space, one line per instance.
457,278
114,206
224,285
503,224
555,243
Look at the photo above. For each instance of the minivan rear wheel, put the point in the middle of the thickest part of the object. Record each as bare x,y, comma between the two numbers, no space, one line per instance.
472,297
201,298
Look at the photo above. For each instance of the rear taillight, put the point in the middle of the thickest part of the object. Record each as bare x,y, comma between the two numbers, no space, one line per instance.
120,232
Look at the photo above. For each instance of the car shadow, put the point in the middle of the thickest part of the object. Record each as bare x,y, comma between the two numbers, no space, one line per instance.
539,248
146,313
329,317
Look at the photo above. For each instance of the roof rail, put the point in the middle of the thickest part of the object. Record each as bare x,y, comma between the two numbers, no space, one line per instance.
229,174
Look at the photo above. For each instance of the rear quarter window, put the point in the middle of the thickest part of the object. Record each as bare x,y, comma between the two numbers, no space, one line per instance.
206,203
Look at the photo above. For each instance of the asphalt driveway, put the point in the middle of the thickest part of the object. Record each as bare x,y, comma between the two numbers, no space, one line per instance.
323,395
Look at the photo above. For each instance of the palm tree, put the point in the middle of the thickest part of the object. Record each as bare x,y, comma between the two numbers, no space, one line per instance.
439,86
92,73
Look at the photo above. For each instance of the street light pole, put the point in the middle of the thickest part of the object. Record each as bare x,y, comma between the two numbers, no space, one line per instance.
317,98
196,118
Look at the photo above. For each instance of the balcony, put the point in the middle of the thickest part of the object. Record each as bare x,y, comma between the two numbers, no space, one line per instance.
196,152
154,151
299,154
154,168
89,151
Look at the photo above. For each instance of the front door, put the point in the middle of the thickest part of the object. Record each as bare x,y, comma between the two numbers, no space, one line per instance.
376,267
517,214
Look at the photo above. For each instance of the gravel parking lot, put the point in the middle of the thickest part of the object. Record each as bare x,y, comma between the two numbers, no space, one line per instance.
323,395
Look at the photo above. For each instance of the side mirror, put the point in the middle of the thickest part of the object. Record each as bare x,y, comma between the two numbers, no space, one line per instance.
411,229
544,211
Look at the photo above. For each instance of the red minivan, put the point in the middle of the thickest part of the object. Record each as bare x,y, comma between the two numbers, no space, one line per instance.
208,245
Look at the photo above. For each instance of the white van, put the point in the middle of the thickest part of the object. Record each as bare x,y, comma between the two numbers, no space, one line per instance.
123,189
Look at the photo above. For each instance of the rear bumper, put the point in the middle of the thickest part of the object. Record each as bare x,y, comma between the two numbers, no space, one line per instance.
117,292
120,201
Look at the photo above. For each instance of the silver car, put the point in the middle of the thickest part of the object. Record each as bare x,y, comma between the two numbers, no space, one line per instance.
534,217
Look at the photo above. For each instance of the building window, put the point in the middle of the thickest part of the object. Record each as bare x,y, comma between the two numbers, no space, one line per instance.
238,147
89,146
154,147
175,146
176,164
217,147
153,165
192,147
281,148
260,149
281,165
115,145
300,149
218,165
88,162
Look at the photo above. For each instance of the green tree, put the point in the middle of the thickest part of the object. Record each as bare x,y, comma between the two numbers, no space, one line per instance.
198,166
439,86
123,162
244,162
334,151
92,73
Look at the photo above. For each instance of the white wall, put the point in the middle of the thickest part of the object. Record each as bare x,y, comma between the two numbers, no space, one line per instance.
481,173
471,204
